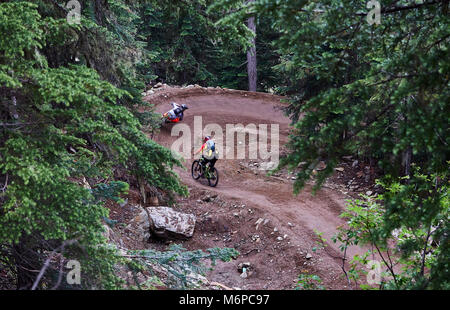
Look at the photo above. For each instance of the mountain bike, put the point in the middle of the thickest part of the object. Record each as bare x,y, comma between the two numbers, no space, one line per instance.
166,120
201,169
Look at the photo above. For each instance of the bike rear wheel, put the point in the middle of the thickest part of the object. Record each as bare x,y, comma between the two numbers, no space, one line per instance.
196,170
213,178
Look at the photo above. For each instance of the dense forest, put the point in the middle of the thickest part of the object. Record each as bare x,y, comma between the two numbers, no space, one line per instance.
72,117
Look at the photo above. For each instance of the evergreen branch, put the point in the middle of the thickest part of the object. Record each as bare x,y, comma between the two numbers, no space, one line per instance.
47,261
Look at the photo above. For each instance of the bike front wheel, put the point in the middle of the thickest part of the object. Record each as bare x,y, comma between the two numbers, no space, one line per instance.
196,170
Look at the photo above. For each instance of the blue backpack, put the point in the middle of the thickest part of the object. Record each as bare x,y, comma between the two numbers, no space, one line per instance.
211,145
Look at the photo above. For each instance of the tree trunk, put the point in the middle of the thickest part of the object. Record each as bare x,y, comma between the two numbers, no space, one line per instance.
251,56
100,7
407,161
13,108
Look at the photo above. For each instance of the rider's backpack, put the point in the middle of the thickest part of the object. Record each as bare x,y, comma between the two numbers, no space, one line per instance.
178,111
211,145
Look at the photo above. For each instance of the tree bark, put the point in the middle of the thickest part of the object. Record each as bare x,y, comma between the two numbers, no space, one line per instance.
13,108
100,8
251,56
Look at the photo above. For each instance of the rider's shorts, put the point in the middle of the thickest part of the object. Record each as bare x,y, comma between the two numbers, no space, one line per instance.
210,154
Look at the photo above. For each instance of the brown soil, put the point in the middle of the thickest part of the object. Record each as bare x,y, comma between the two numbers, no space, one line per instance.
245,195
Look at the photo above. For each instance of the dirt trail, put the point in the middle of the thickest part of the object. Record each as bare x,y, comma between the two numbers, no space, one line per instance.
295,216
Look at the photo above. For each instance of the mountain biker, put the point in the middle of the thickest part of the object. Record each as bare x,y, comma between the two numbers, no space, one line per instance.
209,147
177,113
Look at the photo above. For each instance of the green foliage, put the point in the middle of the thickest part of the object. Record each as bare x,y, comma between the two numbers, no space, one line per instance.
233,36
111,191
179,264
61,123
321,242
405,228
309,282
184,45
180,42
380,92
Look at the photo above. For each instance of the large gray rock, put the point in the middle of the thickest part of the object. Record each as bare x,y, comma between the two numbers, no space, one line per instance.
140,225
165,222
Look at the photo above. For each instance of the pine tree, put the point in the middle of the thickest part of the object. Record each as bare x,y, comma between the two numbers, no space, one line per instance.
63,123
380,92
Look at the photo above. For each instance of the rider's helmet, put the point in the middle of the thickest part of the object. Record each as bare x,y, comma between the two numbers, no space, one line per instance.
206,139
184,107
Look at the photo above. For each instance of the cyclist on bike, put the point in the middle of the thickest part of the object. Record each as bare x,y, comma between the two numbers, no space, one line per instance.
177,113
209,147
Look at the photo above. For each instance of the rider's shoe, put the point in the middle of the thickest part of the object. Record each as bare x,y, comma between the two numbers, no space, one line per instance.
202,171
205,172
